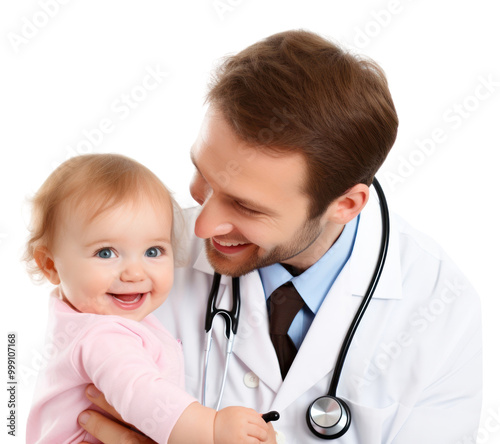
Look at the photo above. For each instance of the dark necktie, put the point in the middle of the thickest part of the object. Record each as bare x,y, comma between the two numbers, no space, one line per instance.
285,303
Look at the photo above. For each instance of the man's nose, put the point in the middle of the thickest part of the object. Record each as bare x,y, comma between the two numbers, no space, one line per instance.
212,220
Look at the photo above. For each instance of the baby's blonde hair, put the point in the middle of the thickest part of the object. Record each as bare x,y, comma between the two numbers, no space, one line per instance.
96,182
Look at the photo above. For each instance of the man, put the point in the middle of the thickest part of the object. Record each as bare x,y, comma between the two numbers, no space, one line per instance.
294,134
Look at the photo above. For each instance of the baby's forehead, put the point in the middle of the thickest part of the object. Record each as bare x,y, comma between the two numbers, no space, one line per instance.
90,208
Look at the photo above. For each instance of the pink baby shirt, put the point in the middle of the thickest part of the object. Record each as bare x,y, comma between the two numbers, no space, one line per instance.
137,365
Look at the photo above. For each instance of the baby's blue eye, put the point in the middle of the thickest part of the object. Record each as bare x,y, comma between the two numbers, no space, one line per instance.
153,252
105,253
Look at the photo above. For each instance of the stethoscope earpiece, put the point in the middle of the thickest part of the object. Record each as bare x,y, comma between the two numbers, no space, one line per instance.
328,417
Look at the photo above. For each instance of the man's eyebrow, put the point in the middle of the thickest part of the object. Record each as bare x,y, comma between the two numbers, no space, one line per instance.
242,201
196,165
252,205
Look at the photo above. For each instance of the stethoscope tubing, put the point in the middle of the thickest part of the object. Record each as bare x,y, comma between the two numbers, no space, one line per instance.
231,318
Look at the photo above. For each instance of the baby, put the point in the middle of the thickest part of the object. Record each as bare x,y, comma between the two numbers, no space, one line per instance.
102,232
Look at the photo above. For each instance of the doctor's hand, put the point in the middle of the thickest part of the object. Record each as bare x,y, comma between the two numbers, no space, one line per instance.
242,425
107,430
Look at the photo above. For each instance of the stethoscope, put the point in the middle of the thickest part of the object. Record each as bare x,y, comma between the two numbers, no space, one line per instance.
328,417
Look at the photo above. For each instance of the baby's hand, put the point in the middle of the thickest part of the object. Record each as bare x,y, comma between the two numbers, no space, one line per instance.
242,425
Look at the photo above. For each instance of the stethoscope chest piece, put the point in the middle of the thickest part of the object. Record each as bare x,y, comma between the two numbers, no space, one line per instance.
328,417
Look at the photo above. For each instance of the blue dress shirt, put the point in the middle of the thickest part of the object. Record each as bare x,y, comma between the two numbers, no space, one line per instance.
314,283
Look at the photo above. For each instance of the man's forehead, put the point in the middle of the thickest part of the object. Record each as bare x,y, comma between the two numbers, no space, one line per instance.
214,128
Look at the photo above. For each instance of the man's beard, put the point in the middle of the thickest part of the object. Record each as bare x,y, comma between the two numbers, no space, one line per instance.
302,240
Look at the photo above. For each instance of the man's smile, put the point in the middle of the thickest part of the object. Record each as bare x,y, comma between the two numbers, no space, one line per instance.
229,247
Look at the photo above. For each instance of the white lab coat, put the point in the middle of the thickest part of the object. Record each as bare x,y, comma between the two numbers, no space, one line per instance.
412,374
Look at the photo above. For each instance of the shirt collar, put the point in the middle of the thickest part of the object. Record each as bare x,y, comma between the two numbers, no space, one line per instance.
314,283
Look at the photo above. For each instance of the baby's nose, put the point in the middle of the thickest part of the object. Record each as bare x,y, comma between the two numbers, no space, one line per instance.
133,271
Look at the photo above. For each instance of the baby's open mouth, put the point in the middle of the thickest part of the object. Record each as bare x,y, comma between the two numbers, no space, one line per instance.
127,298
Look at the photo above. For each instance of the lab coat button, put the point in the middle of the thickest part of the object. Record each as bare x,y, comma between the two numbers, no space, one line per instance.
280,437
251,380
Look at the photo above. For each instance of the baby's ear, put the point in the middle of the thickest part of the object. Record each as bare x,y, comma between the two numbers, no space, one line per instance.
45,262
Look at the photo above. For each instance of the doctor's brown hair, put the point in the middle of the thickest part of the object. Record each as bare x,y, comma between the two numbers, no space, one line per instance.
90,184
297,92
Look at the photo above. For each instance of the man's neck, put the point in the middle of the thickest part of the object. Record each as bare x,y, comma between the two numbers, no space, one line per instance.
291,269
315,251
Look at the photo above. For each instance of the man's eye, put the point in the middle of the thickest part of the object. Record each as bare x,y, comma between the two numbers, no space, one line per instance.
105,253
246,210
154,252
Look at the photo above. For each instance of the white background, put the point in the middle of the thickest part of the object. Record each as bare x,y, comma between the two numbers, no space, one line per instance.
64,72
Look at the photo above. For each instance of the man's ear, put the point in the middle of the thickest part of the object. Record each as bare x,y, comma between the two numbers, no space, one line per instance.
45,261
346,207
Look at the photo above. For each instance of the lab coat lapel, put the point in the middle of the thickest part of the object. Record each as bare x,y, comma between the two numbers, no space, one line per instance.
253,344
